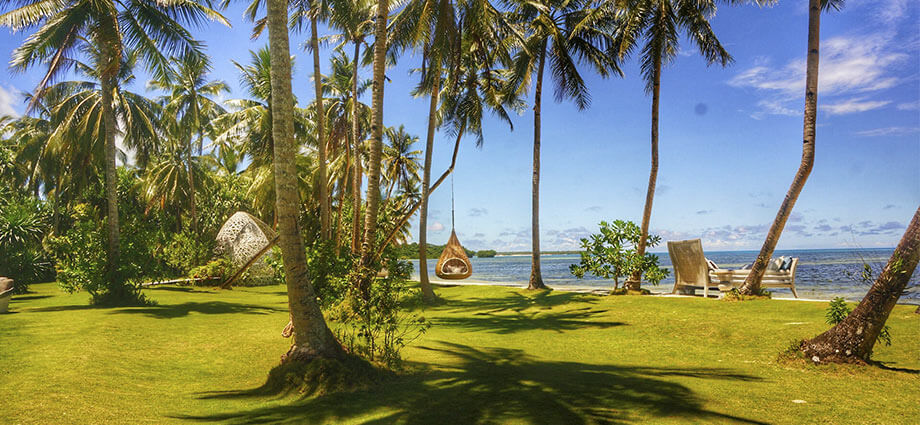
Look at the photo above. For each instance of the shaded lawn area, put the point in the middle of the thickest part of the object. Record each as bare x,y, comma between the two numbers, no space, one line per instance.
493,355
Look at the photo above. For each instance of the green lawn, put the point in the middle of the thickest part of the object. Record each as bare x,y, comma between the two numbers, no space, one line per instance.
493,355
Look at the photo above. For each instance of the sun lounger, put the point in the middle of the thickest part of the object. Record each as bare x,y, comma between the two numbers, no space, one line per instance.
692,271
772,278
6,292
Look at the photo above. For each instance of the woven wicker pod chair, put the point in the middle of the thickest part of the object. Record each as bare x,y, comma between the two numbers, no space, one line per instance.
453,264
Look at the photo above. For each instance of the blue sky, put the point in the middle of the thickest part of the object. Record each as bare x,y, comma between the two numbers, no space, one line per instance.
730,138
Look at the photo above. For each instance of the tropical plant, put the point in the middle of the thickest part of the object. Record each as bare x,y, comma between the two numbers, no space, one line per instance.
191,106
312,337
657,26
815,7
153,29
400,162
614,253
564,33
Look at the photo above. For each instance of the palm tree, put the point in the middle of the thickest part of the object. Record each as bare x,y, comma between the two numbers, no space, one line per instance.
752,281
400,162
247,126
355,18
153,28
340,90
312,337
376,142
166,184
316,10
853,338
657,23
565,33
190,103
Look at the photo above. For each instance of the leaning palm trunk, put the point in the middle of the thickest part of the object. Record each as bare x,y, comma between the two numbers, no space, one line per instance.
752,282
427,292
111,179
635,281
320,133
536,276
312,338
376,148
355,137
852,340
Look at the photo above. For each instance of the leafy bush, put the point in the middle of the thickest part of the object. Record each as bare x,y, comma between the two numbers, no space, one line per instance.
220,269
186,251
613,253
23,224
374,323
80,257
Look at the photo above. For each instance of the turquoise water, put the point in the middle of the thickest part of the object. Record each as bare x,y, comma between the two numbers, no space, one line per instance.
821,274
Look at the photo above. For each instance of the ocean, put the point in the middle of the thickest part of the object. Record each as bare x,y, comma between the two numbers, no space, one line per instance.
822,273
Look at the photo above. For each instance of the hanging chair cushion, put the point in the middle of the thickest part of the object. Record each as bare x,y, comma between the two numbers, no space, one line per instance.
453,262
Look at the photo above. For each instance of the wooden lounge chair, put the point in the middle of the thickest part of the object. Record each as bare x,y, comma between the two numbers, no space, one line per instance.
6,292
691,272
771,278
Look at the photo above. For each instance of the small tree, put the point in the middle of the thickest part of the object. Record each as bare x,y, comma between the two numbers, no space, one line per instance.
614,253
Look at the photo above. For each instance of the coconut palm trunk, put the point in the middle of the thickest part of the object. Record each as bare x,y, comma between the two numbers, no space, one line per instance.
111,179
751,284
312,338
376,148
356,173
191,189
320,132
536,276
428,294
852,340
635,281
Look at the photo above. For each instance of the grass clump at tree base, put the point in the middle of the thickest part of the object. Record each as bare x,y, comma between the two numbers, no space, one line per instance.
322,376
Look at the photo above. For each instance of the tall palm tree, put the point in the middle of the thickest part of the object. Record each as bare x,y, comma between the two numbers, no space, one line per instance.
312,337
400,162
657,23
355,18
343,95
153,28
247,126
376,141
315,10
191,105
564,33
752,281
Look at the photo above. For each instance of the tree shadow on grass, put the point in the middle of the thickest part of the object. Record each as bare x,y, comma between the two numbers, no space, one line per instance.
499,385
582,318
184,289
171,311
20,298
517,300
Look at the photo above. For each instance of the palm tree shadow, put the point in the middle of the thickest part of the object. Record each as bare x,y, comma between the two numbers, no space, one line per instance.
583,318
171,311
495,385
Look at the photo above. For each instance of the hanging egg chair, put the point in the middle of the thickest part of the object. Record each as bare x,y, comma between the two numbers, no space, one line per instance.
453,264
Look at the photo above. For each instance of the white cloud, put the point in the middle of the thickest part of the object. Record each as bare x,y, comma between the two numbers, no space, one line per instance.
436,227
888,131
909,106
849,66
8,101
854,105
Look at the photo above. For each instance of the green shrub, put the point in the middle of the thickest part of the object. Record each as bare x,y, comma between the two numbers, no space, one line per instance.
374,320
614,253
23,224
185,251
220,269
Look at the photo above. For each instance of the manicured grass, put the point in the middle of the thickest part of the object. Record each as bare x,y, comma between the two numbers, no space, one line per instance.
493,355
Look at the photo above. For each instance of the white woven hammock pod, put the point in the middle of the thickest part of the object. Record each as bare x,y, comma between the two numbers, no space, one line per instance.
241,237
